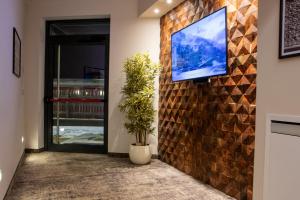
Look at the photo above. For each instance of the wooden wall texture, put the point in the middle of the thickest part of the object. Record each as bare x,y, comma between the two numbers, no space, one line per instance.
207,129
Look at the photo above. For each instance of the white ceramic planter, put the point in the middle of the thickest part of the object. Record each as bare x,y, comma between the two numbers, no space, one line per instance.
140,155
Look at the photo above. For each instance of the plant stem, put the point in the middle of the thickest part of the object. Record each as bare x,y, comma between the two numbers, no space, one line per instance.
145,141
140,138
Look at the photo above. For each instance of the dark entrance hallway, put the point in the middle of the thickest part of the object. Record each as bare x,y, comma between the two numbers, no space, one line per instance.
76,83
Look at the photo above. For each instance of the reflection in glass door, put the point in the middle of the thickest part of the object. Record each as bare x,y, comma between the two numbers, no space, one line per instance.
77,103
79,113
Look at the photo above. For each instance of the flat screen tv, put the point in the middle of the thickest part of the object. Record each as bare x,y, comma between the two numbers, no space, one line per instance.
200,50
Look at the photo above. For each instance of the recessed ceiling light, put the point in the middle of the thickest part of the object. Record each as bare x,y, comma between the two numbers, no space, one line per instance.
169,1
156,10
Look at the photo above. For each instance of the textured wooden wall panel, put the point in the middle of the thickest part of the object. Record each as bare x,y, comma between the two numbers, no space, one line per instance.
207,130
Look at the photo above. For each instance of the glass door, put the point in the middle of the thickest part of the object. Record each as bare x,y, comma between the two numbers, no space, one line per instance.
76,102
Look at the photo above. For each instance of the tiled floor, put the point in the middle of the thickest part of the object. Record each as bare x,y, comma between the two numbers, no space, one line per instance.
63,176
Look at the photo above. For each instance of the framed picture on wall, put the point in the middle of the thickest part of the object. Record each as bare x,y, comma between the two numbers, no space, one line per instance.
289,28
16,53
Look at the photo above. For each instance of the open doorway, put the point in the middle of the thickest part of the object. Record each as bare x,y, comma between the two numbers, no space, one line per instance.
76,85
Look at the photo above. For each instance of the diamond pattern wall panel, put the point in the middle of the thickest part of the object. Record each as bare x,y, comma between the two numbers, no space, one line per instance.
207,129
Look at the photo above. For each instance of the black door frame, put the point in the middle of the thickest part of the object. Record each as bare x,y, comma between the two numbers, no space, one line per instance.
51,42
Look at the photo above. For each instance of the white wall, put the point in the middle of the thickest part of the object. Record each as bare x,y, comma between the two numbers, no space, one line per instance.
11,98
129,35
277,83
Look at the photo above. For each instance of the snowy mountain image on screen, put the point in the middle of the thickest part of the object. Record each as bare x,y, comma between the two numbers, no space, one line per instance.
200,50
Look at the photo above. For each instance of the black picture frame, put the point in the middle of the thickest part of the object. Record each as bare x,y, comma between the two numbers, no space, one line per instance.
289,44
16,53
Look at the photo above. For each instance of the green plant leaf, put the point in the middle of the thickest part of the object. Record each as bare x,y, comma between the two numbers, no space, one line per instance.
138,96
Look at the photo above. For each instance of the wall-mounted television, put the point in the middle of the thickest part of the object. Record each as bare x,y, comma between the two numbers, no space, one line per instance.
200,49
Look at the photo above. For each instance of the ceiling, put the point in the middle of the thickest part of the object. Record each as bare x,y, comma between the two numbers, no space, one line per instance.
156,8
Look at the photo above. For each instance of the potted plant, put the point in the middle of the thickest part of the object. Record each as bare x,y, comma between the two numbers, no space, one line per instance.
137,104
